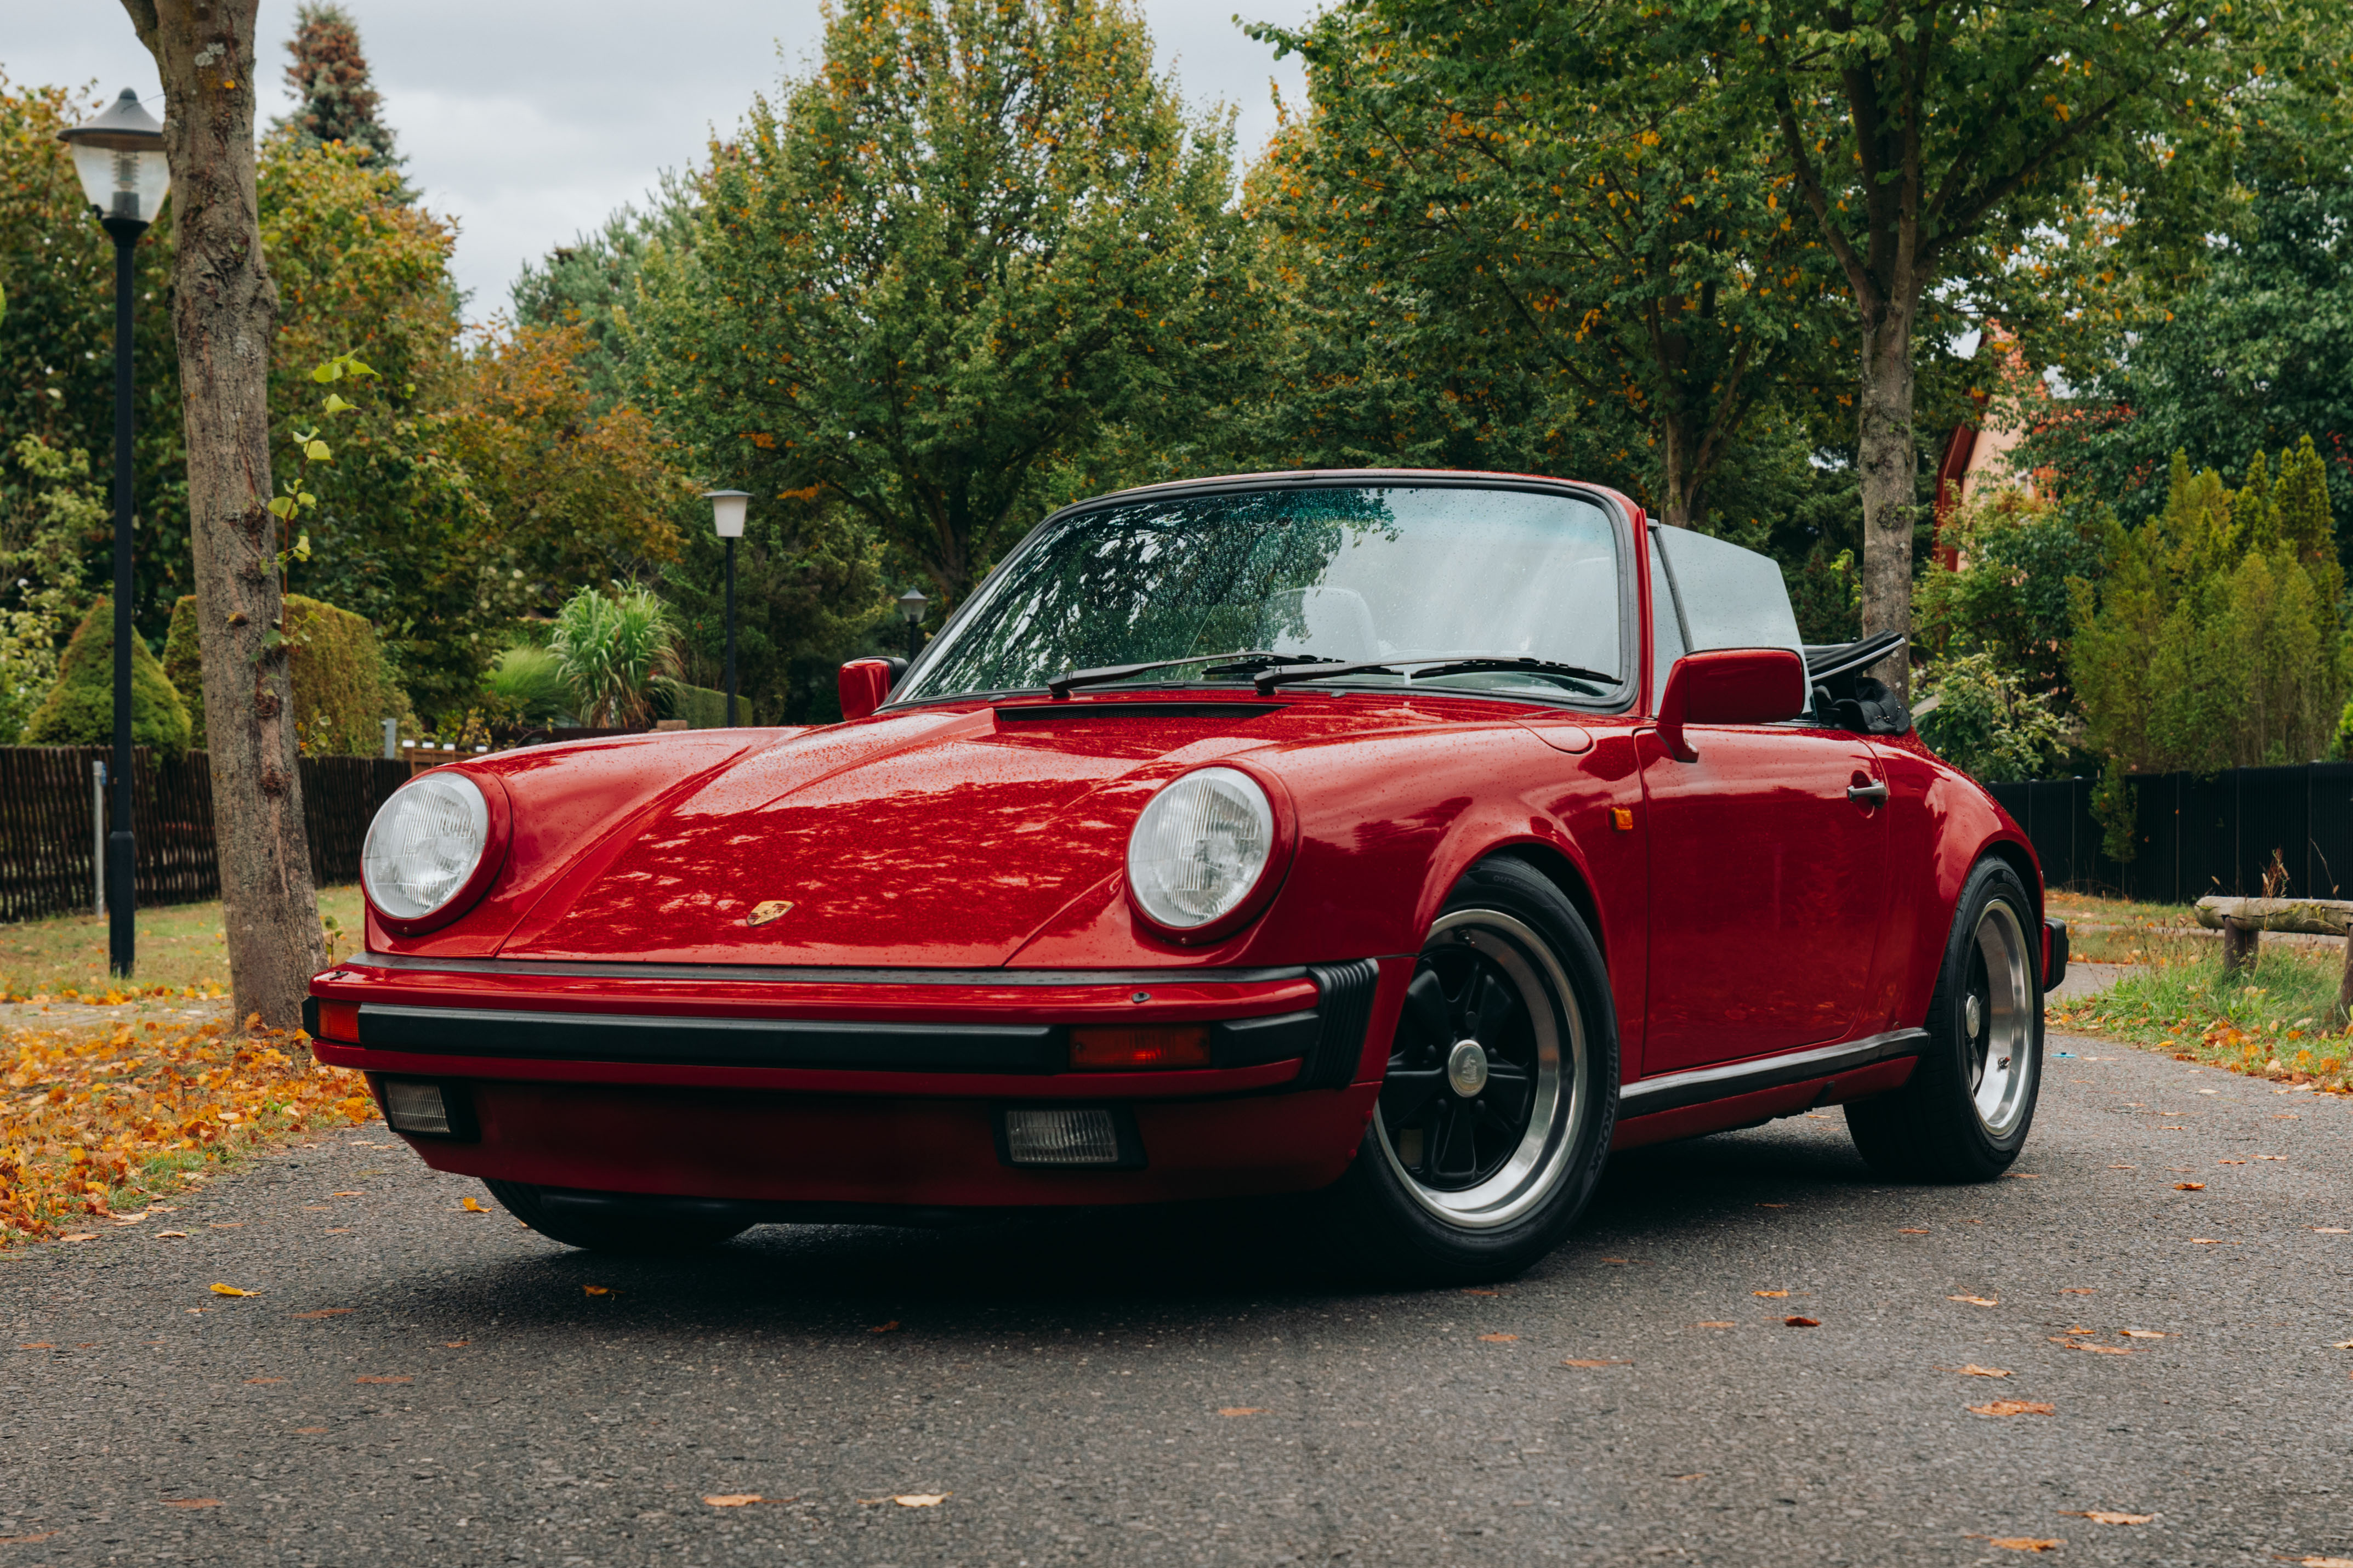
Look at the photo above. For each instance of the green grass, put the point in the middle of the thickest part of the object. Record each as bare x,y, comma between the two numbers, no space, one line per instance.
181,946
2278,1012
2119,931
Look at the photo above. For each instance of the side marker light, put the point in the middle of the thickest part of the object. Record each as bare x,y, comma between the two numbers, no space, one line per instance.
1166,1046
1621,818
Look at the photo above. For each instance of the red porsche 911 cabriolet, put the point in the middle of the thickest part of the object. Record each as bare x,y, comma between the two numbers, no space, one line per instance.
1410,839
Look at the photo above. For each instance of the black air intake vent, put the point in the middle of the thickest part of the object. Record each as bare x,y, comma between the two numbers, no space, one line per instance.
1347,1007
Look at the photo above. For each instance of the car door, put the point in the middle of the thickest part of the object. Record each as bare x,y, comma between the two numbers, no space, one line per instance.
1767,855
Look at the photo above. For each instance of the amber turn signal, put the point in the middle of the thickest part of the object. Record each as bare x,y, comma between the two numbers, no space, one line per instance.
1163,1046
339,1021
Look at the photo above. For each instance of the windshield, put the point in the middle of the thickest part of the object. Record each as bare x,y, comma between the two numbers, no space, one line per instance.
1340,572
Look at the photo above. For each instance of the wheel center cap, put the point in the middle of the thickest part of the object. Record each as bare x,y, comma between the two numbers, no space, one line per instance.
1466,1067
1972,1015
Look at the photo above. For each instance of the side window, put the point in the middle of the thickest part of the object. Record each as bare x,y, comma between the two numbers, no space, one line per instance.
1666,624
1730,598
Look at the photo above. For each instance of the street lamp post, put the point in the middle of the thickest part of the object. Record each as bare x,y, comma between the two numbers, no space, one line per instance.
727,517
912,604
119,159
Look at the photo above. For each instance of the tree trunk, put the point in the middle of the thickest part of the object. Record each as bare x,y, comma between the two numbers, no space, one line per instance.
1887,455
225,315
1676,489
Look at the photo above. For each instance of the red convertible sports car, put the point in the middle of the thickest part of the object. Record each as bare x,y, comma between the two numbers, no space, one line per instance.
1409,838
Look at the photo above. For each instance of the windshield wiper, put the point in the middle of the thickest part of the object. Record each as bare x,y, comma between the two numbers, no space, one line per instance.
1443,664
1240,662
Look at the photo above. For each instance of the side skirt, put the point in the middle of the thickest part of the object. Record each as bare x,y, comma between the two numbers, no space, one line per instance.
1672,1091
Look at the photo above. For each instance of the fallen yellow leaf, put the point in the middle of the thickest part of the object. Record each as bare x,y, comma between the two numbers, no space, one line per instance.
229,1290
2103,1516
885,1327
383,1380
733,1500
1974,1301
1770,1294
1715,1324
1499,1339
2189,1186
2022,1543
2013,1407
85,1236
1802,1322
1241,1410
2205,1241
922,1500
473,1205
2144,1335
192,1502
597,1289
1974,1370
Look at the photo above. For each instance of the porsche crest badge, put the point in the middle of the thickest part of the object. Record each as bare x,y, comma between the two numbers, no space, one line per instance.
771,908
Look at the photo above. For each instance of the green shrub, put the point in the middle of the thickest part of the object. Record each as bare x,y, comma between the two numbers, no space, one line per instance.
530,683
80,709
614,652
342,689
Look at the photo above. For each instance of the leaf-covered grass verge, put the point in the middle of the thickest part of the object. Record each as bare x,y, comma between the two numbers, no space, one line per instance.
96,1121
2270,1021
182,953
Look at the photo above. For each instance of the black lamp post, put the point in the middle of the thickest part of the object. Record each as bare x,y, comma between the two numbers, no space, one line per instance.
912,604
727,516
119,157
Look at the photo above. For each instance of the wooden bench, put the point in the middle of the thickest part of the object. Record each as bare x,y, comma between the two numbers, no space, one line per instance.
2243,923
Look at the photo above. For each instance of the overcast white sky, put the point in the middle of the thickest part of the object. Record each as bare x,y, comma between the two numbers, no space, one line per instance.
529,121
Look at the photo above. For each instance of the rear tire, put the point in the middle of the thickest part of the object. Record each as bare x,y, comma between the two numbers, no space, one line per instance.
1501,1092
1965,1113
640,1234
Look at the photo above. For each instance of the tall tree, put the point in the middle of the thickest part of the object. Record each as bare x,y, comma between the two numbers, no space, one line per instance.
335,96
1540,196
225,311
977,237
1928,138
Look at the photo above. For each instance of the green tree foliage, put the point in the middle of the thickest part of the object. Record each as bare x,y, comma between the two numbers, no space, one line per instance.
2008,597
527,682
592,283
41,594
1930,138
947,265
336,100
1592,236
2214,641
614,650
80,709
1987,720
2254,349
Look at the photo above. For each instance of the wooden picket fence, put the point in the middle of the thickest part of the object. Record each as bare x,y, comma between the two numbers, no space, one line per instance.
47,835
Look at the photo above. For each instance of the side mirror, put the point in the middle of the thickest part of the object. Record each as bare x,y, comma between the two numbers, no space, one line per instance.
1729,686
864,683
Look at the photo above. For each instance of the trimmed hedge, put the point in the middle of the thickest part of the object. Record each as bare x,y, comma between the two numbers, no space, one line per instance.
80,709
343,690
700,706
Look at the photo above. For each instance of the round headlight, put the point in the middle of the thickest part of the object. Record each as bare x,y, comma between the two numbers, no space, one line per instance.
424,846
1199,847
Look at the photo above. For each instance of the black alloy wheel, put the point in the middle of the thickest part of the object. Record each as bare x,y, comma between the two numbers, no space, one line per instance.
1500,1092
1462,1076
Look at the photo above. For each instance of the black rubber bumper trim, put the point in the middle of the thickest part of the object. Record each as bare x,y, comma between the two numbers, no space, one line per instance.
2055,939
1346,1005
1673,1091
716,1042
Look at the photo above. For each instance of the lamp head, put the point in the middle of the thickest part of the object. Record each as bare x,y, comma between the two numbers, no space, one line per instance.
912,604
119,157
727,512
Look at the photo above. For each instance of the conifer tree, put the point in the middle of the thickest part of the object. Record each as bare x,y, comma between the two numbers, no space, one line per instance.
336,98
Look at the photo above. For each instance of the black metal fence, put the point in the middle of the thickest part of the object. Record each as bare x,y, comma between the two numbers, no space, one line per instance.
2197,836
47,848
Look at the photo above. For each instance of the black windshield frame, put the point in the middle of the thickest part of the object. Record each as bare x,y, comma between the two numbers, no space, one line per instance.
1618,699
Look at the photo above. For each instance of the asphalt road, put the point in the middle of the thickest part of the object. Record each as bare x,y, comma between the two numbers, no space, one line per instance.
1182,1388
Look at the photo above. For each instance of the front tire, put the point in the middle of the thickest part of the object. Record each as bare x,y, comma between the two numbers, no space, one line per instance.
618,1232
1965,1113
1501,1092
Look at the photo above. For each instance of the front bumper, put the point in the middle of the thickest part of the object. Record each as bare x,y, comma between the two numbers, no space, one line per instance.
832,1088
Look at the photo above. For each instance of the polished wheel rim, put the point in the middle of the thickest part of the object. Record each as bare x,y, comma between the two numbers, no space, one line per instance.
1486,1075
1997,1019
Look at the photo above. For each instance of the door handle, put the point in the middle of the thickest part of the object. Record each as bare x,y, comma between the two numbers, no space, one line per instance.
1872,794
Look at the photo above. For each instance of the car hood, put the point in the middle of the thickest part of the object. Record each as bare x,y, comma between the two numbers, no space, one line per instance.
932,840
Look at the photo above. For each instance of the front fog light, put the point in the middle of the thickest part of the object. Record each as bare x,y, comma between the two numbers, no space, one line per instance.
428,1110
1060,1136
